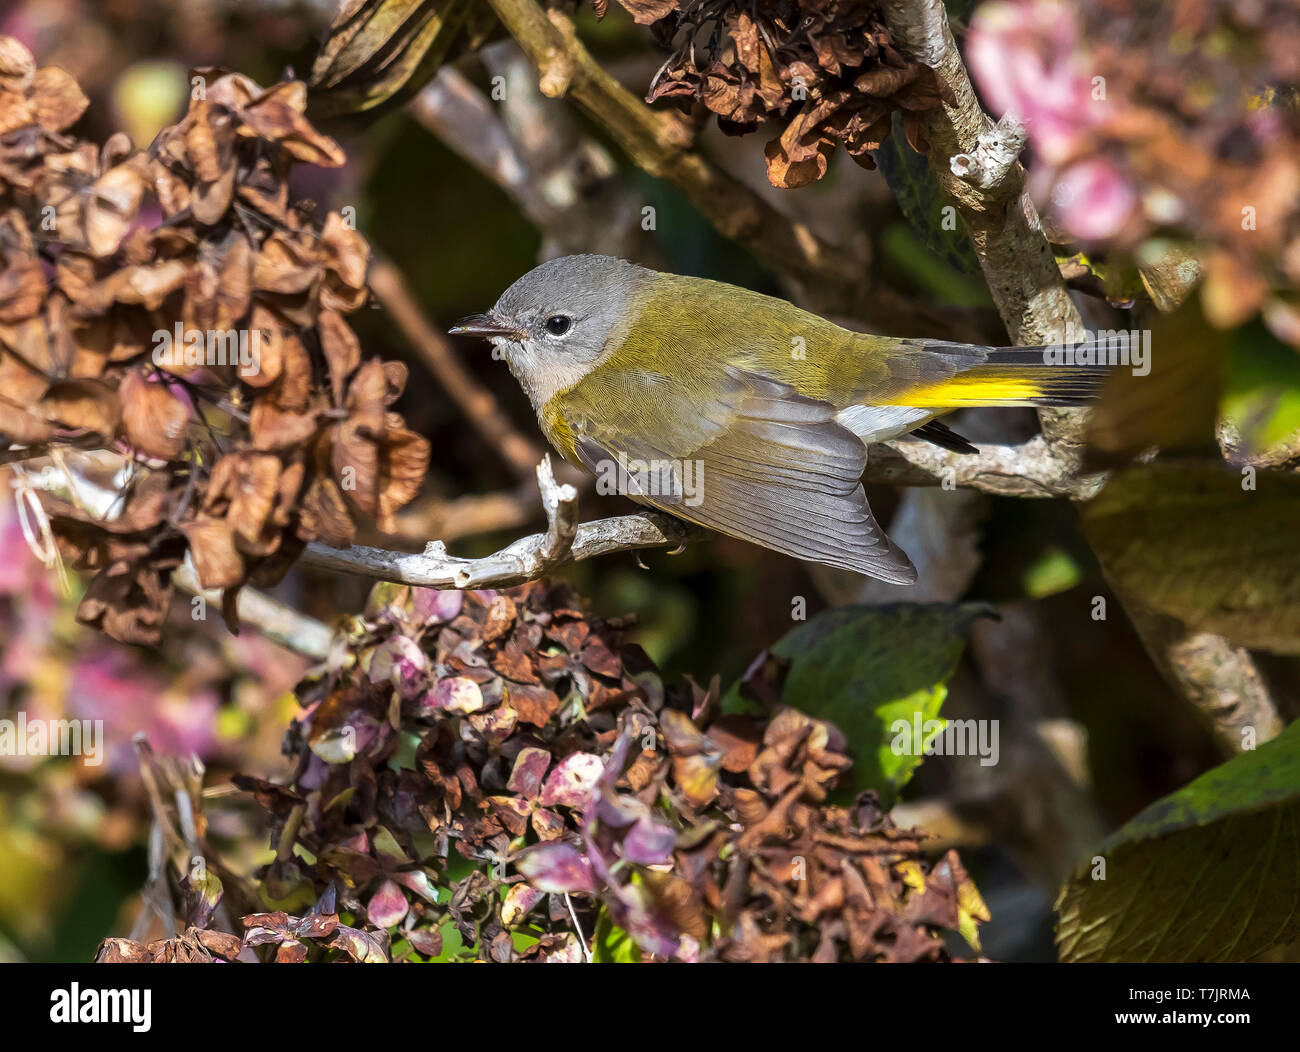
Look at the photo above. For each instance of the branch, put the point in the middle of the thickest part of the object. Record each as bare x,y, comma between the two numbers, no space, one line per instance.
1032,469
997,153
1003,223
562,179
660,142
974,161
1028,470
434,349
525,560
280,623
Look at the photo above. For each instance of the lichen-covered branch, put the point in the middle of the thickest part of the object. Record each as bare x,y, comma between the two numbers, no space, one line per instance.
525,560
974,161
1002,221
281,624
1031,469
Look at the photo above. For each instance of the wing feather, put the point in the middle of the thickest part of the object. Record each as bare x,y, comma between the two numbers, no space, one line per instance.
776,470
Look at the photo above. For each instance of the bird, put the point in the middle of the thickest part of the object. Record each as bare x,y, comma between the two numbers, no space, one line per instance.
741,412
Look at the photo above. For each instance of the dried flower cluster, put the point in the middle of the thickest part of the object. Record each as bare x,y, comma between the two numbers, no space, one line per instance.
519,757
292,938
827,68
179,307
1178,119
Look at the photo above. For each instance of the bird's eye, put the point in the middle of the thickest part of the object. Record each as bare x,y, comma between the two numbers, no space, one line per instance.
558,324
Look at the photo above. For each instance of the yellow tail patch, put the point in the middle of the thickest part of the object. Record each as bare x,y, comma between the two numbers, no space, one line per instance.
974,390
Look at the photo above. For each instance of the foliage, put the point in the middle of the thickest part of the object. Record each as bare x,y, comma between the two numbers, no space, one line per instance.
1206,874
251,425
1210,546
510,731
864,669
827,68
502,775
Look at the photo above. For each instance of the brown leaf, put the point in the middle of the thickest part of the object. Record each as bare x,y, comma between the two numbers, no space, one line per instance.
153,419
403,462
128,599
111,205
87,404
15,60
647,12
324,515
277,115
243,488
59,101
342,350
274,430
534,704
212,545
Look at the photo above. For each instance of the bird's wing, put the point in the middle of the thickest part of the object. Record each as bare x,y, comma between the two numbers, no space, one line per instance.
761,463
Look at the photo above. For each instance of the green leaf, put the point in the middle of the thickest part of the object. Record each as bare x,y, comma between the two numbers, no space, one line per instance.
1054,571
1261,395
1196,542
612,945
1209,873
863,668
1172,402
923,201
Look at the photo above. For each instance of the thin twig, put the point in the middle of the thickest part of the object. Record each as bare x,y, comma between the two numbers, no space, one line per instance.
661,142
582,939
435,350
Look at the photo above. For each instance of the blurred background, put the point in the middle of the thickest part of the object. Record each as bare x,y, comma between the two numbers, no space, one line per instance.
1091,733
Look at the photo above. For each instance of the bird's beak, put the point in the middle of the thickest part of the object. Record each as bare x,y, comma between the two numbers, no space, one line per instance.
486,326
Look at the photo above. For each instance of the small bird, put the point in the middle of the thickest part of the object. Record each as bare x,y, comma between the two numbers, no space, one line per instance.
738,411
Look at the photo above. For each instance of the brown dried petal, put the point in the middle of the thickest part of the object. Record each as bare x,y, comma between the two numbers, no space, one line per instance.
58,100
342,350
216,559
86,404
324,515
111,206
153,419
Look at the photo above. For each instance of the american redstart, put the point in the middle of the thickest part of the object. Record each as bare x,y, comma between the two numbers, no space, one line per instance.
739,411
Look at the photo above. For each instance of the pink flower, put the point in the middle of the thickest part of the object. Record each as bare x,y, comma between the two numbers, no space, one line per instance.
1025,55
1093,199
114,686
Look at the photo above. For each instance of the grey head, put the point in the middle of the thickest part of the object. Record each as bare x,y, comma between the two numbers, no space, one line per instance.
552,325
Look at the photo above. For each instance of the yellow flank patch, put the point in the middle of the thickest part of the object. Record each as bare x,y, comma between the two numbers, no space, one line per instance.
557,428
972,390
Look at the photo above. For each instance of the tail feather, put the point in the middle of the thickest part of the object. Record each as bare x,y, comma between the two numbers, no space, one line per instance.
939,433
1011,376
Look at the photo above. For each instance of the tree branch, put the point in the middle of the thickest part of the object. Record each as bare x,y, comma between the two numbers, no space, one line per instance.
974,161
280,623
1031,469
660,142
435,350
563,180
525,560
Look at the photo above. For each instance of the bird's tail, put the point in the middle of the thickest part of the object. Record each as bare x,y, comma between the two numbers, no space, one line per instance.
1010,376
